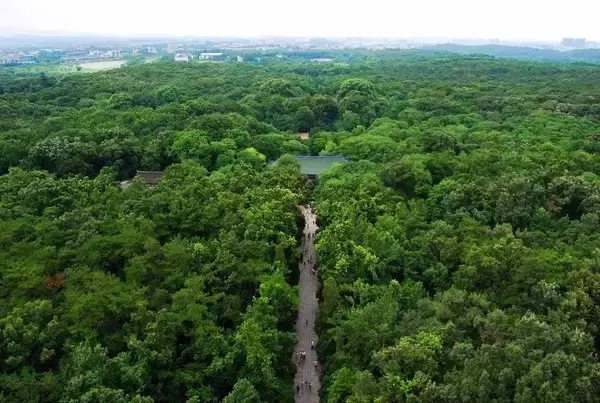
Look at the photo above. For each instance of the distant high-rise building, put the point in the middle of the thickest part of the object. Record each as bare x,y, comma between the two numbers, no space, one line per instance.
567,42
576,43
579,43
114,54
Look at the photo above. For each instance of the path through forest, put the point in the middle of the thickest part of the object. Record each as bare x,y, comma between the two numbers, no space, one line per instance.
306,384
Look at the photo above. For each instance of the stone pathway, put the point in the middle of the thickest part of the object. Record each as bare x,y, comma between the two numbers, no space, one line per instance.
306,383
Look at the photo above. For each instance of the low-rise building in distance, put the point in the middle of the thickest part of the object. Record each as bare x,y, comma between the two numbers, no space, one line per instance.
211,56
181,57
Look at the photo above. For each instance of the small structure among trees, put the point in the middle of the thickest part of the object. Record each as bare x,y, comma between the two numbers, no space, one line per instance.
313,165
150,178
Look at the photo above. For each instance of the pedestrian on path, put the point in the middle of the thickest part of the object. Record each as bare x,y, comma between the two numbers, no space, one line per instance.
309,285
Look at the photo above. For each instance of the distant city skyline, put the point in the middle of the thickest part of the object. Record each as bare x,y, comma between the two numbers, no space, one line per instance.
511,20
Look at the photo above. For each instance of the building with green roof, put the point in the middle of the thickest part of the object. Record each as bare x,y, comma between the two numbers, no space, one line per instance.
313,165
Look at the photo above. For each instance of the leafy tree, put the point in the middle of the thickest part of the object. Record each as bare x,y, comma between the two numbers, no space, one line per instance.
243,392
457,249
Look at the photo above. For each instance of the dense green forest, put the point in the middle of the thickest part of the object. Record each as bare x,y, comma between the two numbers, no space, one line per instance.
459,249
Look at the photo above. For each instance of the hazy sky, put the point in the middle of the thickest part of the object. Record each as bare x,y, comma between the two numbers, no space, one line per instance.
503,19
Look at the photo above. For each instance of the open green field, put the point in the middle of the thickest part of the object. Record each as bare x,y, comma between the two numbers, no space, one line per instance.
104,65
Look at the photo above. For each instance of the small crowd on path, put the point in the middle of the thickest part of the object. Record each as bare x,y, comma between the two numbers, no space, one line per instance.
307,379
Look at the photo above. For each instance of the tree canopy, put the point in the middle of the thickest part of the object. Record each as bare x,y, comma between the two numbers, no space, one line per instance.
457,251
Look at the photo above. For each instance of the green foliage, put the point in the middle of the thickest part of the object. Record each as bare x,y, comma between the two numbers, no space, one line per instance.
457,250
137,294
243,392
453,262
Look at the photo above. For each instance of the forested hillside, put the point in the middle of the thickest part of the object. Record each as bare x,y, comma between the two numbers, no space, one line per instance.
520,52
459,249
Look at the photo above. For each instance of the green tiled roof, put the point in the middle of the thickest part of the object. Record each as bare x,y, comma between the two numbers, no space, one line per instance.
314,165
